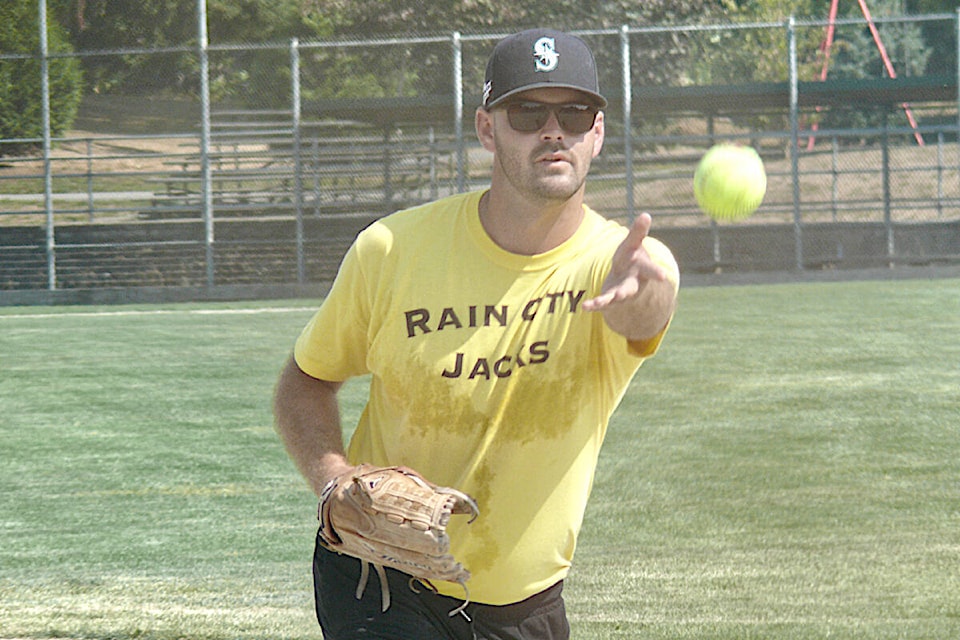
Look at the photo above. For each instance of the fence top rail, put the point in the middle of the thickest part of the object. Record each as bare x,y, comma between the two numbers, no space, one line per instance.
449,37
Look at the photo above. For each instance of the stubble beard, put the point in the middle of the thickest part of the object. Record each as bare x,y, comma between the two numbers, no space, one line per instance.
538,182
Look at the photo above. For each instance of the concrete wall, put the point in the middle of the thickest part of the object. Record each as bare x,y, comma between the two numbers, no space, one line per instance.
165,261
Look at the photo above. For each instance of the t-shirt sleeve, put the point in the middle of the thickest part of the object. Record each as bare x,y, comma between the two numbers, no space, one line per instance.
334,343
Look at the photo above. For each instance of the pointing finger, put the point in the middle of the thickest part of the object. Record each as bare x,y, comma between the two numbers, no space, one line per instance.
639,230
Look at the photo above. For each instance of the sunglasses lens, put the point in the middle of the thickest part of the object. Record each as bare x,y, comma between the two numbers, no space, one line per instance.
528,117
576,118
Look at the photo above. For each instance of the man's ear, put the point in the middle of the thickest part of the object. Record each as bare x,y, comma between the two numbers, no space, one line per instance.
484,125
599,130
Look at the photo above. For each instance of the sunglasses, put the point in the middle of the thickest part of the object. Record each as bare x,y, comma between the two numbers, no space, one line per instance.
528,117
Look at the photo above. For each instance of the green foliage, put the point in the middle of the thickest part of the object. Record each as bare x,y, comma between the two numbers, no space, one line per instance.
21,102
857,54
114,24
117,24
261,78
659,59
258,78
940,36
742,55
395,17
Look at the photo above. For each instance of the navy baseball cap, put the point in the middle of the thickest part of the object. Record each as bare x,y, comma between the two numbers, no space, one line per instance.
540,58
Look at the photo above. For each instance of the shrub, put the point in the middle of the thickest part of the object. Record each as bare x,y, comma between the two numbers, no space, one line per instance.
21,106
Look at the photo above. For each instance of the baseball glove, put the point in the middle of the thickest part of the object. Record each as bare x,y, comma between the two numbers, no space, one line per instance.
392,517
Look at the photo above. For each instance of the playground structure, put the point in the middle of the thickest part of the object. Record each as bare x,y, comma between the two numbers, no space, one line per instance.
881,49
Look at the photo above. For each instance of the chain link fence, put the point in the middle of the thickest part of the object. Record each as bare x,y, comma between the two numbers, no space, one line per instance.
257,164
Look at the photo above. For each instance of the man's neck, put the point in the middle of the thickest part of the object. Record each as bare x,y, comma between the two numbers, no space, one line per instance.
529,228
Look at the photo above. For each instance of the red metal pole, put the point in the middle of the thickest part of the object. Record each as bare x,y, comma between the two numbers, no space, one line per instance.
828,42
887,63
889,66
825,47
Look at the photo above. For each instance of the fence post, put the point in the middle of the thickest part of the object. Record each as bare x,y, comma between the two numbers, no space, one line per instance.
47,168
714,226
297,165
387,167
795,140
885,178
627,117
940,194
458,110
432,143
206,186
90,202
835,176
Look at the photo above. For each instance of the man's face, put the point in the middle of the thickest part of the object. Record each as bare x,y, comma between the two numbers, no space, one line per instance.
549,163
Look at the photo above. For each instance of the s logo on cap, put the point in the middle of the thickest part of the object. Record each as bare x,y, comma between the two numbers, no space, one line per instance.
545,54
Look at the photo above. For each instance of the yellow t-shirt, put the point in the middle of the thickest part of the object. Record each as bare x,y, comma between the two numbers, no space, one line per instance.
487,376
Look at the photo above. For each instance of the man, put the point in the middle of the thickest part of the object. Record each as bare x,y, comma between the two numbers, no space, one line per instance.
501,329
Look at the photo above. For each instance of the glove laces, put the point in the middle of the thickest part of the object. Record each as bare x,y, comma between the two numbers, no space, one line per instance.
385,588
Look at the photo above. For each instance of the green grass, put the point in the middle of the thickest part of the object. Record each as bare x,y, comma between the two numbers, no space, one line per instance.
787,467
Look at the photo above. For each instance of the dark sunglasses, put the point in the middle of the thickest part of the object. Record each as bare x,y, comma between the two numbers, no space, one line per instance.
528,117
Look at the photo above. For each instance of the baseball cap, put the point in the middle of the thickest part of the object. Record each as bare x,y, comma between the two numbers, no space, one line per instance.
539,58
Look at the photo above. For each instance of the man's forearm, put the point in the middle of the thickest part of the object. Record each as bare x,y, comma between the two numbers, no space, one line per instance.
307,418
645,315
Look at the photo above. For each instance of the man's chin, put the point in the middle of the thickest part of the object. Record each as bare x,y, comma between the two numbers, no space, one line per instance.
557,188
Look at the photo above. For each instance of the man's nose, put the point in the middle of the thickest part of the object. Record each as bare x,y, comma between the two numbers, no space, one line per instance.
551,129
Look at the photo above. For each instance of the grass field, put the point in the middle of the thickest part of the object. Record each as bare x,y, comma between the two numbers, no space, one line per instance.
787,467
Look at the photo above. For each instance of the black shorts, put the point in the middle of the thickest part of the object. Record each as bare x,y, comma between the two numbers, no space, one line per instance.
423,615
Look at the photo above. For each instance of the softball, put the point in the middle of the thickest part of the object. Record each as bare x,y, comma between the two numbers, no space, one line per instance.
730,182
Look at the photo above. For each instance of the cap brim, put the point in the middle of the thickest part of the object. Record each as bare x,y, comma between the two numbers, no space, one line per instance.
596,98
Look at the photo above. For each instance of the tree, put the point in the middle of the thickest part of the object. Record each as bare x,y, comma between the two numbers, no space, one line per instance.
941,35
659,59
21,108
742,55
113,25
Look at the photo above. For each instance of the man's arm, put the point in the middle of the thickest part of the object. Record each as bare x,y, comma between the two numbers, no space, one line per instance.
307,418
638,296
